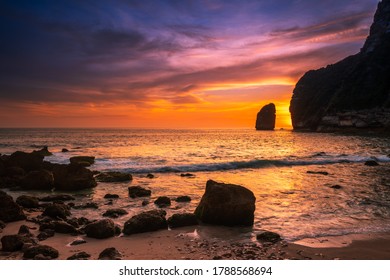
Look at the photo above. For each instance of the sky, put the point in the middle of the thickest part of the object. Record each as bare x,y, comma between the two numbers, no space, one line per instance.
166,64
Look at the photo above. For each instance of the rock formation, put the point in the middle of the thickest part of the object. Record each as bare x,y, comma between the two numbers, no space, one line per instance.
266,117
353,93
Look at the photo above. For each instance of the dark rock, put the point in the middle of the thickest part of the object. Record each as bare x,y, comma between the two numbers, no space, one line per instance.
266,117
45,225
91,205
38,180
317,172
64,150
118,230
182,220
337,187
47,233
226,204
64,227
57,211
110,254
26,161
184,198
42,257
100,229
14,172
187,175
268,236
24,230
111,196
27,201
371,163
115,213
77,242
43,152
83,221
150,176
10,211
145,202
352,93
137,191
57,197
114,176
45,250
71,177
79,256
162,201
82,160
146,221
12,243
2,224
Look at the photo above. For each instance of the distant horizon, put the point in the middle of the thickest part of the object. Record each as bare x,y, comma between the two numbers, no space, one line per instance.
210,64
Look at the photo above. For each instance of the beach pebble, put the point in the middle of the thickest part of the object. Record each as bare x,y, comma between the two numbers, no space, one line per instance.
110,254
44,250
162,201
137,191
79,256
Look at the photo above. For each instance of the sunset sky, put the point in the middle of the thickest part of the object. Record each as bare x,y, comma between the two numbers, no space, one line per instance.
166,64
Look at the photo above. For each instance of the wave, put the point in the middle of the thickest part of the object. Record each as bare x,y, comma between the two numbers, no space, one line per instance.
251,164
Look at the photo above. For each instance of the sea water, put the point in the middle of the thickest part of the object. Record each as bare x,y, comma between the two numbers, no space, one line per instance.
272,164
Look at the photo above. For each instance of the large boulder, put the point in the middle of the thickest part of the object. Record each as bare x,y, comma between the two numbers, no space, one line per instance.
38,180
226,204
182,220
266,117
28,201
137,191
100,229
113,176
146,221
27,161
71,177
44,250
9,210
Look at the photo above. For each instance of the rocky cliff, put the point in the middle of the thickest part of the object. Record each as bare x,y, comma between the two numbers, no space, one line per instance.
353,93
266,117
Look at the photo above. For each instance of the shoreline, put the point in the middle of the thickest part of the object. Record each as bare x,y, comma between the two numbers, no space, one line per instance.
185,244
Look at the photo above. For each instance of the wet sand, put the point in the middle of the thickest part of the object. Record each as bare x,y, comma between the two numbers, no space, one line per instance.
185,243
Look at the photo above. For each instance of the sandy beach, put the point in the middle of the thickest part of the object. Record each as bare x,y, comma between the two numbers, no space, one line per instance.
186,244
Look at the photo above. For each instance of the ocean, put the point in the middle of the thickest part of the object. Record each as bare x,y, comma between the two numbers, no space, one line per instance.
274,165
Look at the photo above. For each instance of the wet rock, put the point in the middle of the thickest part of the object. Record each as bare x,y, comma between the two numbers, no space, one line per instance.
317,172
266,117
110,254
26,161
38,180
182,220
9,210
27,201
43,152
71,177
268,236
45,234
24,230
57,211
57,197
162,201
81,160
78,242
187,175
145,202
371,163
44,250
12,243
226,204
137,191
79,256
83,221
113,176
115,213
100,229
150,176
64,227
336,187
146,221
64,150
90,205
184,198
111,196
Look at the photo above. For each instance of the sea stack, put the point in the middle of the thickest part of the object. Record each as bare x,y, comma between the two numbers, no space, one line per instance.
353,93
266,117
